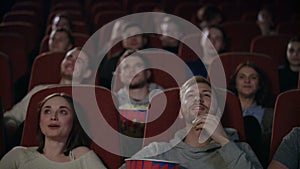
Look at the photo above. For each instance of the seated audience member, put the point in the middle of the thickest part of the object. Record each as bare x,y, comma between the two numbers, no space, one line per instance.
288,153
70,74
209,15
171,33
133,98
265,22
156,21
203,143
213,43
62,142
248,84
132,39
116,32
288,74
62,20
60,40
215,35
135,75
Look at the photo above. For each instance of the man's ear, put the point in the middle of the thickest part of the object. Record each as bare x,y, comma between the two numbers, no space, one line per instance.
180,115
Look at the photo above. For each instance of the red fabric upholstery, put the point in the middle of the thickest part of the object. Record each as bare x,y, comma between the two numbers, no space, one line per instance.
274,46
286,116
79,40
185,52
6,87
231,60
27,30
163,114
97,129
164,73
46,69
240,34
9,42
289,27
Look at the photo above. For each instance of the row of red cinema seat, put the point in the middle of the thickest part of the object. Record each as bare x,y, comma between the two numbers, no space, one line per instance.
83,38
229,61
22,28
271,45
179,7
98,13
21,50
234,29
106,106
20,31
183,52
258,44
285,118
76,6
233,10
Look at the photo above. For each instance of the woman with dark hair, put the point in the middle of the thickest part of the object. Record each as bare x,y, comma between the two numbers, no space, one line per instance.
259,93
209,15
213,42
62,141
62,20
60,40
265,22
288,74
248,83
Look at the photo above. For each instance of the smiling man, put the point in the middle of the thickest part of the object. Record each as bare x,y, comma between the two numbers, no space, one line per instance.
133,98
135,75
203,143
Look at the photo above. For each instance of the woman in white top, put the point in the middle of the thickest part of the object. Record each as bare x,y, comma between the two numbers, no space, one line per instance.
62,141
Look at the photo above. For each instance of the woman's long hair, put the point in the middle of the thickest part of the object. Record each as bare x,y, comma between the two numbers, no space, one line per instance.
77,135
293,39
262,94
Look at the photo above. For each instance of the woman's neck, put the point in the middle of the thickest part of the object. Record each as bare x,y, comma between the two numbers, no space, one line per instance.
246,101
295,68
54,151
